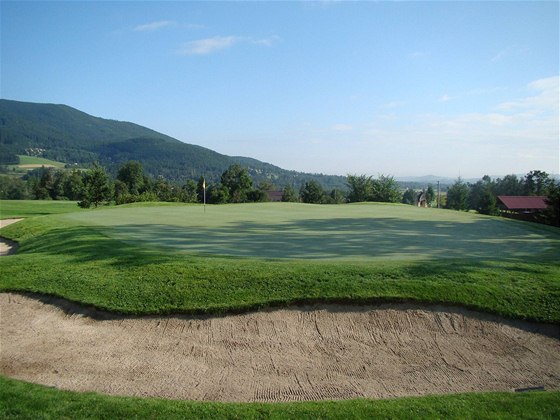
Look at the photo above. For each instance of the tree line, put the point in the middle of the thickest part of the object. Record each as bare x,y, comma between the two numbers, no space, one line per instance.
95,187
482,195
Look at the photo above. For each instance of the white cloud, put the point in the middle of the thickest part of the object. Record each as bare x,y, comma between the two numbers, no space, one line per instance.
342,127
208,45
445,98
266,42
509,51
546,101
154,26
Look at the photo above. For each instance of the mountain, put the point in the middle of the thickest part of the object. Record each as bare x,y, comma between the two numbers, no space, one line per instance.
65,134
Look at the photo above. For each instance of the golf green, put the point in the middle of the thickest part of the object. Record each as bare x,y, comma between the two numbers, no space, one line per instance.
340,232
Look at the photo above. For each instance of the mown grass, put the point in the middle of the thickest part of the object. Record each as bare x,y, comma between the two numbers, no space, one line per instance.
35,160
28,401
29,208
68,256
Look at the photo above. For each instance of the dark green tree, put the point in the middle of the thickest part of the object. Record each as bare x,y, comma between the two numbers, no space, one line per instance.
482,197
385,189
509,185
188,192
360,188
336,196
536,183
74,185
409,197
312,192
217,194
97,189
430,195
552,214
238,183
289,194
457,196
132,175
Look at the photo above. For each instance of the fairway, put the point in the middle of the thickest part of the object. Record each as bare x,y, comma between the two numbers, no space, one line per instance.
321,232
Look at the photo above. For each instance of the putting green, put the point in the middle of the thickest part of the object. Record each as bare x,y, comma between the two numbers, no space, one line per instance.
300,231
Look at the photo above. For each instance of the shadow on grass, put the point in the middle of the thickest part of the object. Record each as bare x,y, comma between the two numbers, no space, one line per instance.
362,238
86,244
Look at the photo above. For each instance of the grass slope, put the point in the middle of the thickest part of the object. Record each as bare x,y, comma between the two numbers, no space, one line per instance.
113,259
28,401
29,208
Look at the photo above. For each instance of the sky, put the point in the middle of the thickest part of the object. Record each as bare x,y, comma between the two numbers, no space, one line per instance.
411,88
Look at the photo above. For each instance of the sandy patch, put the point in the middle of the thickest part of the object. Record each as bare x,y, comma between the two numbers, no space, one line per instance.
309,353
7,247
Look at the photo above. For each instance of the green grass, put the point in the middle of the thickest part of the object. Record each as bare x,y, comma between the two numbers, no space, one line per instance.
28,208
114,259
34,160
28,401
147,258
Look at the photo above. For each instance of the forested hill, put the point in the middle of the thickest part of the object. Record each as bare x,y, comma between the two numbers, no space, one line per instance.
65,134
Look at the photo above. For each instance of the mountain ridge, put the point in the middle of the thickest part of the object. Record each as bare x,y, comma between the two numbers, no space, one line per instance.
62,133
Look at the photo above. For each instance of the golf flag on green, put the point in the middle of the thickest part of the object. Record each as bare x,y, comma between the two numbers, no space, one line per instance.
204,192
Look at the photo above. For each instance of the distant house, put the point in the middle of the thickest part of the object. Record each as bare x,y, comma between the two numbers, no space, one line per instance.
274,196
522,207
422,199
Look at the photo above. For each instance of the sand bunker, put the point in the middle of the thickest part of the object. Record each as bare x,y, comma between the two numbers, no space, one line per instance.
7,247
308,353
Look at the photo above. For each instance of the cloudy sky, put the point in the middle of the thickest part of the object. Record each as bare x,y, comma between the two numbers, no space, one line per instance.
402,88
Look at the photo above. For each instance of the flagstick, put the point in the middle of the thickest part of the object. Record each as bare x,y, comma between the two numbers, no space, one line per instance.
204,188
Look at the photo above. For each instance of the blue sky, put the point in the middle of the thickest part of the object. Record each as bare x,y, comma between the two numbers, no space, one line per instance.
401,88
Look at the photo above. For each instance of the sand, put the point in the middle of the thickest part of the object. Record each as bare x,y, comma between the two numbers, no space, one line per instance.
7,247
320,352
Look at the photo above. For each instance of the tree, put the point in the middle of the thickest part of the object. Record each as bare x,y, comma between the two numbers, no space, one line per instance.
457,195
536,183
312,192
259,194
289,194
409,197
360,186
336,197
132,175
188,192
238,183
385,189
552,214
482,197
430,195
74,185
98,189
509,185
217,194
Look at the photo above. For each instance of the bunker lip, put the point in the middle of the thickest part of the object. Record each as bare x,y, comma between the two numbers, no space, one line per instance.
312,352
7,246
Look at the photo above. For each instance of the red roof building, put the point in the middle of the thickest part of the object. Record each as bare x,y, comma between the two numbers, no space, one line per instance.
524,203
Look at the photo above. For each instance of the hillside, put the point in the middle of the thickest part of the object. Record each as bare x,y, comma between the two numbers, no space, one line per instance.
65,134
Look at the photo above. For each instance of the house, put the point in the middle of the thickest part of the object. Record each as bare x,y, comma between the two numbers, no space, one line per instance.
422,199
522,207
274,196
